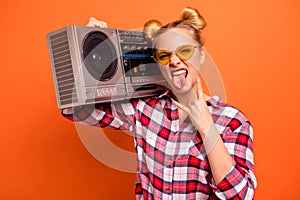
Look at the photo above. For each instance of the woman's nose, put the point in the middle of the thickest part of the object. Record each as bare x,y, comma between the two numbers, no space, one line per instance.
174,60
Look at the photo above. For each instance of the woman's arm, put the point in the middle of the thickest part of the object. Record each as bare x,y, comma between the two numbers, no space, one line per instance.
230,159
218,156
114,115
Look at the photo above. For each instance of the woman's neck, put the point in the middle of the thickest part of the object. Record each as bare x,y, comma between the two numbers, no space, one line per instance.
187,99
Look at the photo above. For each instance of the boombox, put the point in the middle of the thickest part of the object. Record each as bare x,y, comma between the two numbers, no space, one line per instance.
95,65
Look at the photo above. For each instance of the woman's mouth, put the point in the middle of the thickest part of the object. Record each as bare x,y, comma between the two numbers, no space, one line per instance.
179,78
179,72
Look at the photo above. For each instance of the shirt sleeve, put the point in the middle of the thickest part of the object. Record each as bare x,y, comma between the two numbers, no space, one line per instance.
110,115
240,182
138,188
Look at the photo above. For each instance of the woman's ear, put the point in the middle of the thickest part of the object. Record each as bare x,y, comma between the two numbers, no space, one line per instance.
202,55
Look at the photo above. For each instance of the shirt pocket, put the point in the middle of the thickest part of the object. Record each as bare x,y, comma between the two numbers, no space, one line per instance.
158,154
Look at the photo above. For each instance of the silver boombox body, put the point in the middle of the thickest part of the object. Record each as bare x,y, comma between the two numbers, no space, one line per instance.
96,65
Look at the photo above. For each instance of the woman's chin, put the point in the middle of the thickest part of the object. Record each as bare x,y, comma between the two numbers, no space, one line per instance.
182,90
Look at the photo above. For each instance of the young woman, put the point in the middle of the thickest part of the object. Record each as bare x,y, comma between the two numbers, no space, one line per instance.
189,145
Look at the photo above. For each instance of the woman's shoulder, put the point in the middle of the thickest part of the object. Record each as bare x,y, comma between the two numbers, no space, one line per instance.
226,114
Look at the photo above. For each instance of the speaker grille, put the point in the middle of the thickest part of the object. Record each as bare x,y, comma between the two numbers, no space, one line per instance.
63,68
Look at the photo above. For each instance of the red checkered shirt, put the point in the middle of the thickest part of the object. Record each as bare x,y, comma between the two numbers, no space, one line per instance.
172,163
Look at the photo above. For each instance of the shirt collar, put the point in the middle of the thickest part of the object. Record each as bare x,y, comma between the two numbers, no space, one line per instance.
213,101
166,94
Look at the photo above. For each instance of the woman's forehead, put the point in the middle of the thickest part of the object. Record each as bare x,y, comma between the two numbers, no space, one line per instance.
173,38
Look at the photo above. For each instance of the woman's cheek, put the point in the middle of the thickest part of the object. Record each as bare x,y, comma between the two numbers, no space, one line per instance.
195,62
163,70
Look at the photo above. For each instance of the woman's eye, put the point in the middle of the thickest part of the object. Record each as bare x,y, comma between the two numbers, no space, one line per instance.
185,51
163,56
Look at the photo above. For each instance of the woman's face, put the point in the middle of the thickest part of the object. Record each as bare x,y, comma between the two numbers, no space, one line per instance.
180,75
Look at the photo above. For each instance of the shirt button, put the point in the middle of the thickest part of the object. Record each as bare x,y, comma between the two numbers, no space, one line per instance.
168,189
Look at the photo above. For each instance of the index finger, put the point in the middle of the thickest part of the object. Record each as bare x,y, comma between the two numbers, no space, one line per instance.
199,88
182,107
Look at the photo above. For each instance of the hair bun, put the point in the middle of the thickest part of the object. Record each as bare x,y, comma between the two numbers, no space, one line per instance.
150,28
193,17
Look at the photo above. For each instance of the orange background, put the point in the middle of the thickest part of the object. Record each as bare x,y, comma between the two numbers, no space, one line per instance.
255,44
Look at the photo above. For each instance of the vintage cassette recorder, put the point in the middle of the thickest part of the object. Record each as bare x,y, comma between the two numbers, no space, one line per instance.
94,65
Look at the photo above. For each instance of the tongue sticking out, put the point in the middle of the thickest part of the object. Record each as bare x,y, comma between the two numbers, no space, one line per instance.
179,80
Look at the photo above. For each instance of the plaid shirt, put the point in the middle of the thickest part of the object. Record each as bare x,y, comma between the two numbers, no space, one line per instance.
172,163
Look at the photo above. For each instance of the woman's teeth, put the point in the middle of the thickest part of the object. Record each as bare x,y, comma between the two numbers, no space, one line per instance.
179,72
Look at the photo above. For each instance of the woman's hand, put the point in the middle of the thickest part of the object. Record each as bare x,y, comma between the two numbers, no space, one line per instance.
96,23
219,158
198,111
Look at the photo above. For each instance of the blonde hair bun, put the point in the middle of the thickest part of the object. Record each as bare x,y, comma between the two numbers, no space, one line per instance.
151,27
193,17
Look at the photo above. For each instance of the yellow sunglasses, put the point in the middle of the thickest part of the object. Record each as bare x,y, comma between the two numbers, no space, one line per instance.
183,52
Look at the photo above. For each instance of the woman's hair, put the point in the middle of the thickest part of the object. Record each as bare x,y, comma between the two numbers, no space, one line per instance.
191,20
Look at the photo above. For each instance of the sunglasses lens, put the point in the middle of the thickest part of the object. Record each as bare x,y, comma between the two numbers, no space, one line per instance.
162,56
185,52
